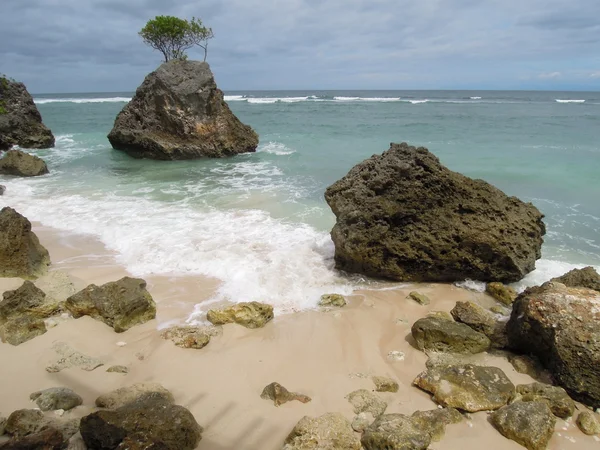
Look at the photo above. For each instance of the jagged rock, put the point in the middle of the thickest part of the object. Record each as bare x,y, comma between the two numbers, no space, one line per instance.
22,329
481,320
367,402
385,384
70,357
404,216
330,431
281,395
21,254
56,398
179,113
421,299
118,369
561,326
394,432
588,423
187,337
16,162
440,335
20,121
151,419
134,393
249,315
586,277
555,397
467,387
2,189
47,439
504,294
120,304
21,300
531,424
434,421
24,422
332,300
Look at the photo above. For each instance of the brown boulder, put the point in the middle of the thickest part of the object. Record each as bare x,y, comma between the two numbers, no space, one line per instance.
16,162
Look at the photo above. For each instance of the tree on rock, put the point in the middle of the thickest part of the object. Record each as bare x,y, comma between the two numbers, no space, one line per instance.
173,36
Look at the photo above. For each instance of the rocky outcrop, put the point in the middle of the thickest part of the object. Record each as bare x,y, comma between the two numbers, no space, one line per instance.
403,215
555,397
330,431
21,254
119,304
441,335
56,398
467,387
16,162
281,395
586,277
20,121
247,314
148,422
531,424
561,326
179,113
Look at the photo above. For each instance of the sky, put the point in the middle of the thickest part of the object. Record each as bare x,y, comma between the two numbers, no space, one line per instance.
56,46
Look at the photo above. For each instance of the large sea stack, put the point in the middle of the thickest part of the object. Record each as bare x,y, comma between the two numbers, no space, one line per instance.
20,121
404,216
179,113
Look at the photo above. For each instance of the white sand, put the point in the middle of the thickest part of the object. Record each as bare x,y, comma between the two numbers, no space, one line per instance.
323,354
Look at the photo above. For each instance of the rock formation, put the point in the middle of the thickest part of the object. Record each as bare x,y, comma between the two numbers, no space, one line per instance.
56,398
403,215
328,432
21,254
586,277
179,113
441,335
555,397
16,162
561,326
20,121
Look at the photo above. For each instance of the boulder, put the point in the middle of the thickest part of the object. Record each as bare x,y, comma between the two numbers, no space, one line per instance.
25,422
21,164
120,304
281,395
56,398
187,336
481,320
26,298
434,421
404,216
385,384
555,397
22,329
586,277
561,326
47,439
249,315
330,431
531,424
134,393
504,294
440,335
151,420
332,300
20,121
179,113
527,365
365,401
21,254
395,432
362,421
466,387
588,423
421,299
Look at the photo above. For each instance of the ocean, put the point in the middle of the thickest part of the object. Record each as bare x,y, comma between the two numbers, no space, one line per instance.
259,222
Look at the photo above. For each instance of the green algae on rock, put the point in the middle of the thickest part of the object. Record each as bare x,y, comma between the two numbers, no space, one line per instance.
531,424
504,294
330,431
332,300
247,314
440,335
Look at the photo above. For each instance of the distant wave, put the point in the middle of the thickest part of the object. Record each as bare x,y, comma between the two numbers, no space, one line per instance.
416,102
569,101
41,101
475,98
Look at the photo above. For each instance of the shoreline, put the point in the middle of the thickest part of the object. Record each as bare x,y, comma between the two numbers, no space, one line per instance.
325,354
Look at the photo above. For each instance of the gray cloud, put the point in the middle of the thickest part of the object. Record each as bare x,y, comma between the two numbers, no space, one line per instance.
70,45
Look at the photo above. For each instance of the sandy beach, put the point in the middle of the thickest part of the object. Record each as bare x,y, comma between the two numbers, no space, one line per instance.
324,354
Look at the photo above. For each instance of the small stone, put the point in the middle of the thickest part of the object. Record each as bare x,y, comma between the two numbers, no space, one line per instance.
187,336
555,397
330,431
281,395
247,314
121,344
531,424
435,421
365,401
56,398
439,335
395,432
588,423
118,369
504,294
332,300
395,355
421,299
384,384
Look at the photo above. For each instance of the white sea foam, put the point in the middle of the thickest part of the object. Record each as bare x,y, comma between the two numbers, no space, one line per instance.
569,101
346,99
263,100
234,98
475,98
276,148
41,101
417,102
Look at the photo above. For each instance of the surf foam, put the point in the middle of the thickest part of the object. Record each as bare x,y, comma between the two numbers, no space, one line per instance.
41,101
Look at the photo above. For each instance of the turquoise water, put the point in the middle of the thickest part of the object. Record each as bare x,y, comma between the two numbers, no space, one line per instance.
259,221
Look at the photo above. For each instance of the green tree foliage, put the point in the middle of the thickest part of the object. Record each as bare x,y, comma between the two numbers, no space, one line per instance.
173,36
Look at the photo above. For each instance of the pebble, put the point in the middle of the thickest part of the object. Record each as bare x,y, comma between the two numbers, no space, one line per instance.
121,344
395,355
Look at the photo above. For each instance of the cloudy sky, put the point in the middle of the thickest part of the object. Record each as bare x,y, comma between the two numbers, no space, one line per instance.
92,45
